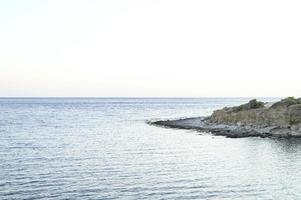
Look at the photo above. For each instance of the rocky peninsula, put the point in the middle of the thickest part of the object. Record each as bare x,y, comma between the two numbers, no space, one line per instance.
255,118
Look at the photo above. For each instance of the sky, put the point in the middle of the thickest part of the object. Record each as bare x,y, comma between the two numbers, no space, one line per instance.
150,48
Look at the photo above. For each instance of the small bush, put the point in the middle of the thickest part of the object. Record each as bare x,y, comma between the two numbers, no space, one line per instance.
253,104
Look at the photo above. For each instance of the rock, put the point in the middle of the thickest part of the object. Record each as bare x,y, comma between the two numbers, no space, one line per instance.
294,112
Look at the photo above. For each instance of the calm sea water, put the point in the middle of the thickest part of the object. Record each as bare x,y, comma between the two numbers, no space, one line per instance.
101,148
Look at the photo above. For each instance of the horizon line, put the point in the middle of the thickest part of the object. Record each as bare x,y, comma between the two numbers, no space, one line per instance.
141,97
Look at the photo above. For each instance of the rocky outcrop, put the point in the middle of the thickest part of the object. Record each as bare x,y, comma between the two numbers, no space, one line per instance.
284,113
255,118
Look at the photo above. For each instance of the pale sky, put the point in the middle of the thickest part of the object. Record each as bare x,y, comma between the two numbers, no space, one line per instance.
189,48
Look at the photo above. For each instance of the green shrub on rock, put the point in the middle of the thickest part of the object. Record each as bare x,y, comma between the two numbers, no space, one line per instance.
253,104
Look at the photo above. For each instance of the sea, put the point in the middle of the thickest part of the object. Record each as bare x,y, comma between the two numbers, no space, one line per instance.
102,148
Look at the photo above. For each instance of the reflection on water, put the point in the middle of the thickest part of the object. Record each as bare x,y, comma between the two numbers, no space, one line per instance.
103,149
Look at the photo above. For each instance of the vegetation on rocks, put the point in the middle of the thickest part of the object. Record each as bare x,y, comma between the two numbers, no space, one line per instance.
253,104
286,102
284,113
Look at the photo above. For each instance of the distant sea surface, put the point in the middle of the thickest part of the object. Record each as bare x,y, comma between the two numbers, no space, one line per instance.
101,148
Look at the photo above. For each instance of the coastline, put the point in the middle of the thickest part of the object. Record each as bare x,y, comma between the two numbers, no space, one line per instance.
227,130
253,119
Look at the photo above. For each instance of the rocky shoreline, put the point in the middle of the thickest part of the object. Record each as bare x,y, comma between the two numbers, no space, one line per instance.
254,119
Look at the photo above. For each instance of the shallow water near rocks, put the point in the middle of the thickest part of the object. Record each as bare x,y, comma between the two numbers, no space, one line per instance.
101,148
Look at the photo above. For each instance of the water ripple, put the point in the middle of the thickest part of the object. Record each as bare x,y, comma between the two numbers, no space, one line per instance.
102,149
